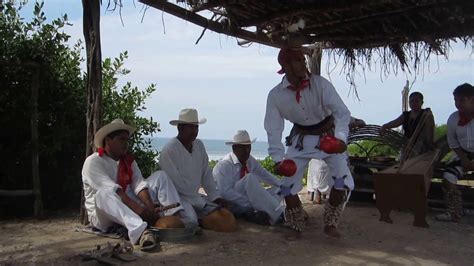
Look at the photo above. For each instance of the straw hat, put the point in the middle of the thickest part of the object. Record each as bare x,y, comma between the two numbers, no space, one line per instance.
242,137
115,125
188,116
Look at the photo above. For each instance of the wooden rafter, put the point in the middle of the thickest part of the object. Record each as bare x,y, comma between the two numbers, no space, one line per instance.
227,29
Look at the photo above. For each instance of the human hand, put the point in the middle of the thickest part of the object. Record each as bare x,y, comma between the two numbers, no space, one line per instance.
221,202
276,167
149,216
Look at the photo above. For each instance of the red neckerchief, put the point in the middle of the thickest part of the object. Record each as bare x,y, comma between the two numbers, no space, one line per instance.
125,172
243,171
302,85
464,119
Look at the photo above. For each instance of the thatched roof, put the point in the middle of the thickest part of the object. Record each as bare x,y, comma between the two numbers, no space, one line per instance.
402,31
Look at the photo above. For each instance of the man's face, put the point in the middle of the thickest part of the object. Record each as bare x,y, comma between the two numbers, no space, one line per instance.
118,145
296,66
464,104
415,103
242,152
189,131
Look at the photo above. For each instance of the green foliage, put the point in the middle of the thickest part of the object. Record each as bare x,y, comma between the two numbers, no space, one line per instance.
28,49
366,148
126,102
440,130
212,163
268,164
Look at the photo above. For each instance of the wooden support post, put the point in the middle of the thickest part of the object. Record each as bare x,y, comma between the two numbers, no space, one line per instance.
91,28
38,207
315,59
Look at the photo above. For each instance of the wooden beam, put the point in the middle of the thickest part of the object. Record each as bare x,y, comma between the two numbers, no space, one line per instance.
230,30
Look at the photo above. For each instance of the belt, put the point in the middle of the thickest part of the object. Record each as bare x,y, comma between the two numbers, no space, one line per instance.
323,127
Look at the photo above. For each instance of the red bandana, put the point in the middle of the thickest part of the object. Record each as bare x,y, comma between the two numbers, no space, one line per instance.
464,119
303,84
100,151
125,172
243,171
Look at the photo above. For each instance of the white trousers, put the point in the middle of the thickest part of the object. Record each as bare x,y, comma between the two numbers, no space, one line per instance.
337,163
193,212
111,210
318,177
259,198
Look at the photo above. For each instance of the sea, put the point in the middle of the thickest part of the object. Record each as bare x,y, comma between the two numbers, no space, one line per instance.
216,149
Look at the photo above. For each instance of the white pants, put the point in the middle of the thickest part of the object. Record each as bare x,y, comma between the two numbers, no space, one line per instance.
193,212
318,176
337,163
259,198
111,210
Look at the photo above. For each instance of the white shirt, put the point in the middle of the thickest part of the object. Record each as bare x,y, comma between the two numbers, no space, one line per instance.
317,102
101,173
189,171
460,136
227,173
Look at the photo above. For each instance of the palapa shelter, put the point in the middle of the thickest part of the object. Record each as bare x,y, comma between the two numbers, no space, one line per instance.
401,31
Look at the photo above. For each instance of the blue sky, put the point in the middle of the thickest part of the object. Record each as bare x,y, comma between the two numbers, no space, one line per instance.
228,84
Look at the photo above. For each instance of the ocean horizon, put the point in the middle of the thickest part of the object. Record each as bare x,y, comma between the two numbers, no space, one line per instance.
217,149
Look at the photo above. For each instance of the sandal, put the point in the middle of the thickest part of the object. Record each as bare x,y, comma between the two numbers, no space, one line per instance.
147,240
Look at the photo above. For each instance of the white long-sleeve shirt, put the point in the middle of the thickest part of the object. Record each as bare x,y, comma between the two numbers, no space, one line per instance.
102,172
227,174
189,171
460,136
317,102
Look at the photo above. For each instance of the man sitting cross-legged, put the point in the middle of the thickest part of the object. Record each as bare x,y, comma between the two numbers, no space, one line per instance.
116,193
185,160
238,177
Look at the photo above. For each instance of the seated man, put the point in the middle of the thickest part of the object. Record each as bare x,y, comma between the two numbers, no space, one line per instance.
461,141
115,192
238,177
185,160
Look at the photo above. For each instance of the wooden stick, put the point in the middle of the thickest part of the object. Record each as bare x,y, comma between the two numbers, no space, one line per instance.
165,208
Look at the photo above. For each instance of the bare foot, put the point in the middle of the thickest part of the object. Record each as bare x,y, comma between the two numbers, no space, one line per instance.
332,231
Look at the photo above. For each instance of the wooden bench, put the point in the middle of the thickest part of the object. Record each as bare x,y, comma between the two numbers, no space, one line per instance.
405,187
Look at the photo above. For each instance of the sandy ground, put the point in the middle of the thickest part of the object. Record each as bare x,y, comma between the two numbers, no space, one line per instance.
365,241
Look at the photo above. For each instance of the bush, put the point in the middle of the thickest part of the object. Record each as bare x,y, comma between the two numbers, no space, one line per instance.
29,48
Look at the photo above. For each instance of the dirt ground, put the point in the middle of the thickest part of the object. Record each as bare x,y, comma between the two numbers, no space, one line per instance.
365,241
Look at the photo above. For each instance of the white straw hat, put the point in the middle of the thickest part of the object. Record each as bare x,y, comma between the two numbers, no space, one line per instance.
242,137
188,116
115,125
